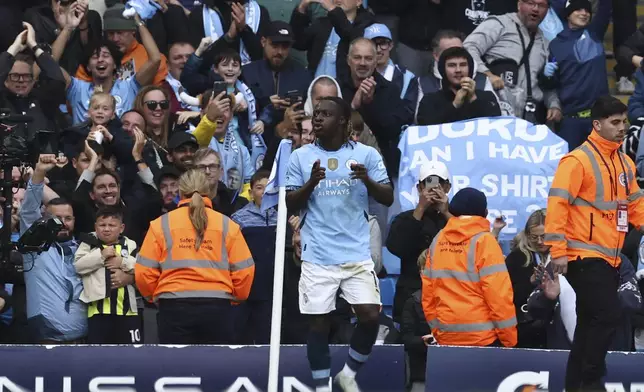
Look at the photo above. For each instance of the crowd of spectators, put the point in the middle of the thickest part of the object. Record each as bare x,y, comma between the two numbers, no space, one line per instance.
121,107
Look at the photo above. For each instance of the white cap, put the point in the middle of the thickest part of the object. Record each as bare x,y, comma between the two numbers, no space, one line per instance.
434,168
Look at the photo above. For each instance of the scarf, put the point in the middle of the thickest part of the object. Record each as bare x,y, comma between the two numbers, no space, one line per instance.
185,100
257,147
213,27
327,65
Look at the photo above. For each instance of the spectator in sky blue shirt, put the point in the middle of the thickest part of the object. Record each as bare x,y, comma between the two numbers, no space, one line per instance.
102,64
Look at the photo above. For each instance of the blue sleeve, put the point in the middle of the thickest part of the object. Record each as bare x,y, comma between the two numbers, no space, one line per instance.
133,87
249,168
636,101
294,177
30,210
601,19
376,167
74,92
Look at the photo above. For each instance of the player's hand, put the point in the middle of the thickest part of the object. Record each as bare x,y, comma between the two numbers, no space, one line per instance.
359,171
317,173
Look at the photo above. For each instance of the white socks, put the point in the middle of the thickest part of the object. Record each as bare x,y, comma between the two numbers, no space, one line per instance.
347,371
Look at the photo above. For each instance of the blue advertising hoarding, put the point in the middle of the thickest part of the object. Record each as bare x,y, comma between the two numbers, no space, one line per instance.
177,368
469,369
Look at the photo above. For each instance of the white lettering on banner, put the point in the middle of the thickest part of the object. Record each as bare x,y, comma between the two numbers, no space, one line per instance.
436,154
164,384
95,385
528,154
619,387
174,382
516,186
520,379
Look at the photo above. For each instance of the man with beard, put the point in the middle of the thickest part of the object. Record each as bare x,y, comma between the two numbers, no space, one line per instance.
168,184
182,147
102,64
55,313
377,100
271,78
512,44
459,99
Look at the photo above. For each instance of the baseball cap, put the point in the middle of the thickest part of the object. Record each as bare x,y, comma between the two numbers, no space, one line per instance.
279,32
574,5
113,19
434,168
377,30
166,171
178,139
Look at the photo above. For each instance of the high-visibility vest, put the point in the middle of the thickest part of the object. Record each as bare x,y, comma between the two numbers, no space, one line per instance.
467,292
581,220
168,265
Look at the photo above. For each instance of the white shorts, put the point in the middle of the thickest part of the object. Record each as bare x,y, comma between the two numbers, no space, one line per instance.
319,285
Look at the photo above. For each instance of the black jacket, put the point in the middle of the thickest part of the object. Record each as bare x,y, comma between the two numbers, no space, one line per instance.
385,116
44,23
225,202
407,239
419,22
41,104
168,27
312,36
252,41
633,46
412,328
437,108
531,333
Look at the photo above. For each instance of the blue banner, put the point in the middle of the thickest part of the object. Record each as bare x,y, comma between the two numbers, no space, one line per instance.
472,369
278,175
177,368
512,161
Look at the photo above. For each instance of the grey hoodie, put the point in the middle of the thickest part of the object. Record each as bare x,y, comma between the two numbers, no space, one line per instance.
497,38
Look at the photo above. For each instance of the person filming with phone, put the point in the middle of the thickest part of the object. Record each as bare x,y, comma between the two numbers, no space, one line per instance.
413,231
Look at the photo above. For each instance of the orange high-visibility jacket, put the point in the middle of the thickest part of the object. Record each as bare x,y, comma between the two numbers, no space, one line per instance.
467,293
169,266
581,220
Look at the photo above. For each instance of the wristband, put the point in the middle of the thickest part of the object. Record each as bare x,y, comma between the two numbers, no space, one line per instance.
140,23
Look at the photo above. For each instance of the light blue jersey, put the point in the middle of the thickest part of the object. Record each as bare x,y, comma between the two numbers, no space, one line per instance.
334,224
80,92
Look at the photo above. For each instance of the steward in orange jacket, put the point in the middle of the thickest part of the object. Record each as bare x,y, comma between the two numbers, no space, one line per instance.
194,261
169,266
467,293
593,198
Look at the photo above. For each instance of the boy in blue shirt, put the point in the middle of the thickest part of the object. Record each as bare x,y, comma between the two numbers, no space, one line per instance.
330,182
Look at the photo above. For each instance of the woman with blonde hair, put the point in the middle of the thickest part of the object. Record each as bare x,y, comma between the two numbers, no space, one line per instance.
525,265
193,262
153,103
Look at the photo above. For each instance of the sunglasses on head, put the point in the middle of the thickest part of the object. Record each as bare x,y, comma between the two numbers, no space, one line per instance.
152,105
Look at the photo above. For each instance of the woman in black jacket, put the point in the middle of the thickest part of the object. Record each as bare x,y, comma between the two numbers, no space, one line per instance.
525,266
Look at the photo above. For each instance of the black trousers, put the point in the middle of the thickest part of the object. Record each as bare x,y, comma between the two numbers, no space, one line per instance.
113,329
624,25
253,322
598,314
195,321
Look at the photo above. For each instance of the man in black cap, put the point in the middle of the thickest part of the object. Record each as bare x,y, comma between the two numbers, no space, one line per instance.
275,77
458,99
182,147
167,182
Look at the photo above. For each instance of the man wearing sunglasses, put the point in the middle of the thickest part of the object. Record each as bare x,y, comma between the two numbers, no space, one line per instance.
19,92
413,231
402,78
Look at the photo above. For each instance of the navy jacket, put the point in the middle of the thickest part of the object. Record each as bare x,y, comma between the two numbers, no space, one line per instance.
410,96
581,77
636,101
258,76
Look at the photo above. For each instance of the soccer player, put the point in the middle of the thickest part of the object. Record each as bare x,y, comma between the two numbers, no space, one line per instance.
330,182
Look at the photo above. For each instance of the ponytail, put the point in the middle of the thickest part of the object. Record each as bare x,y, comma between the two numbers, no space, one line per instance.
198,217
193,184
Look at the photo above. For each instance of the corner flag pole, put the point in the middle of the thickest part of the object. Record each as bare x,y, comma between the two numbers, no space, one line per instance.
278,284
